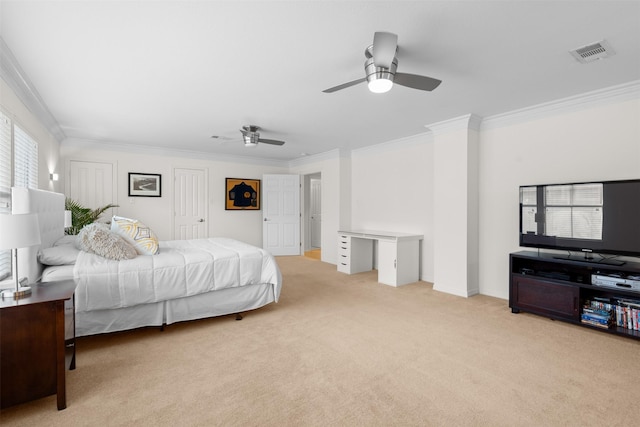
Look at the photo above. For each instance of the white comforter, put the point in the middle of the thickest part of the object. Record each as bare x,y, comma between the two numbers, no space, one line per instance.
181,268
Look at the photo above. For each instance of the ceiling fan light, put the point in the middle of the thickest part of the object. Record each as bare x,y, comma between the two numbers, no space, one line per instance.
381,85
250,140
379,79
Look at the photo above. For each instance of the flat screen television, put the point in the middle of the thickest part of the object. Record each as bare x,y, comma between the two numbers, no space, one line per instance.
589,217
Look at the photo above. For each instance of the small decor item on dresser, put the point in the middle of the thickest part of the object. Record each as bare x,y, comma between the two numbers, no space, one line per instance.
242,194
145,185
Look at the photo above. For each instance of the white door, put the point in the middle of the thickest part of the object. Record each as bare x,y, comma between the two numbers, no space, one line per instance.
316,212
189,204
281,214
91,183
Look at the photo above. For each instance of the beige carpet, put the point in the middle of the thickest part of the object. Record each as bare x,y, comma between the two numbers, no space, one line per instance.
344,350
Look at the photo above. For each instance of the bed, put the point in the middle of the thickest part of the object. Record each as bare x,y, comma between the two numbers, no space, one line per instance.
185,280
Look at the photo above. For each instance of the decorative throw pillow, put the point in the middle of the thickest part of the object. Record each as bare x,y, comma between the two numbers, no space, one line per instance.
137,233
97,239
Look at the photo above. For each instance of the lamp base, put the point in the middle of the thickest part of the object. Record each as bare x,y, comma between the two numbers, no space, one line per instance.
20,293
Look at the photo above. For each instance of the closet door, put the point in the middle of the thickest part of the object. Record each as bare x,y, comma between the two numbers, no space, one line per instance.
190,204
91,183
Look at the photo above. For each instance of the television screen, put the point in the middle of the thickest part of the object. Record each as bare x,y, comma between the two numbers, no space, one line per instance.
591,217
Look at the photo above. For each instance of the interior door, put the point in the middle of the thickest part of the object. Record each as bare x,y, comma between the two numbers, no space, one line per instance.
91,183
281,214
190,204
315,209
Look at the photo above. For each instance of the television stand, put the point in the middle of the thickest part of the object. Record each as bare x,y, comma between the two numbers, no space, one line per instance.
559,288
605,261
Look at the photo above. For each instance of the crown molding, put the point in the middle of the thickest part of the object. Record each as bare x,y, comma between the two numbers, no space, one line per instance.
619,93
466,122
407,141
19,82
315,158
169,152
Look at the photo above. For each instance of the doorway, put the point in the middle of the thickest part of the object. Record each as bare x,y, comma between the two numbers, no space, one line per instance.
313,215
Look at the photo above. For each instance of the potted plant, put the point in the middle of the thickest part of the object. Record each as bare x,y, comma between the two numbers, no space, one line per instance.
81,216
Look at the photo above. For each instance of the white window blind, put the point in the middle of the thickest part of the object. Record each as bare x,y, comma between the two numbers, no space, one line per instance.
25,159
5,186
574,211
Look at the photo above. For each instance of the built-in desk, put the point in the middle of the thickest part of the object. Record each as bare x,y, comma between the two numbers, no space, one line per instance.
398,255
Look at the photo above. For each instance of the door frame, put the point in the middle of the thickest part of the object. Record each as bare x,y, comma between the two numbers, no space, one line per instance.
306,209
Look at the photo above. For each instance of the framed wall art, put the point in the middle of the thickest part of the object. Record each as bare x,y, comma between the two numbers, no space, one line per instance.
145,185
242,194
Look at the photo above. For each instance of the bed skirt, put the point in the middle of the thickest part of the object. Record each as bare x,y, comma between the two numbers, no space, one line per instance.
211,304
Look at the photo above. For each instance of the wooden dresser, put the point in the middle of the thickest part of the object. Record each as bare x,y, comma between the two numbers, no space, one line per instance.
37,343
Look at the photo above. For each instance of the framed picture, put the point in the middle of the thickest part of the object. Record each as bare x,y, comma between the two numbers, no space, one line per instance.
242,194
145,185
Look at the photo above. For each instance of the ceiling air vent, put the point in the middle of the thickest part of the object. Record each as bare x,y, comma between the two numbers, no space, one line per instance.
592,52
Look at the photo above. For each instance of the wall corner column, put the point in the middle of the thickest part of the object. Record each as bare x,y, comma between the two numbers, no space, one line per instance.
456,234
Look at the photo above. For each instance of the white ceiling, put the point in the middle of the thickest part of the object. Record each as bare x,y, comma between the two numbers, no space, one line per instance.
171,74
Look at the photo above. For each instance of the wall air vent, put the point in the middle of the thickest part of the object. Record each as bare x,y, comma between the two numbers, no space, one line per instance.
592,52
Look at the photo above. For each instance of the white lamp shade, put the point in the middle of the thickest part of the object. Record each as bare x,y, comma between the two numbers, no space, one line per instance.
67,219
19,231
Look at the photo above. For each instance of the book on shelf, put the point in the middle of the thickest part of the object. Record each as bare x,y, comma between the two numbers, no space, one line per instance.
598,312
594,323
622,312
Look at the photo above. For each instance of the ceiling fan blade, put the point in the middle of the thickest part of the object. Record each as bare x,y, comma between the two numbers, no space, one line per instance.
344,85
416,82
270,141
384,48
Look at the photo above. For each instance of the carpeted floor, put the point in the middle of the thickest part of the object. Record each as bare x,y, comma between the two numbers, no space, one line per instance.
341,350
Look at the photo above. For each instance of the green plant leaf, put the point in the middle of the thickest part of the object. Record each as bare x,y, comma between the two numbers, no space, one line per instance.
81,216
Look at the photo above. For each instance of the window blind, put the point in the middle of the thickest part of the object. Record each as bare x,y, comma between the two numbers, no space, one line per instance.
5,186
25,159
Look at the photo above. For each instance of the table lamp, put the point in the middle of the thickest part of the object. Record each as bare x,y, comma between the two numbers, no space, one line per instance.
18,231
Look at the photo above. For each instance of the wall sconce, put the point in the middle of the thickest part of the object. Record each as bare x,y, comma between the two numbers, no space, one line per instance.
53,176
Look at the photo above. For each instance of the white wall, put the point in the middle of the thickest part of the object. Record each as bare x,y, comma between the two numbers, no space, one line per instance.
48,146
391,186
157,212
392,190
599,141
330,166
591,137
455,206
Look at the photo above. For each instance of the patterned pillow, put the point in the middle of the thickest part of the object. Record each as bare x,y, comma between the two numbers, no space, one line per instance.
137,233
97,239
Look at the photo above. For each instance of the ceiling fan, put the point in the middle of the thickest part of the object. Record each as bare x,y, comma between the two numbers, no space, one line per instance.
380,68
251,137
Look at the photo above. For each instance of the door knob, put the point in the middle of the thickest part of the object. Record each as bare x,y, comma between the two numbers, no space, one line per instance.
201,220
265,219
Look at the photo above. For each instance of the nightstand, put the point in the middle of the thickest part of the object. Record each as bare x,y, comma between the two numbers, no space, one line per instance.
37,343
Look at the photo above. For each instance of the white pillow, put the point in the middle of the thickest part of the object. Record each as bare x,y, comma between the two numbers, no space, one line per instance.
66,240
59,255
137,233
97,239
